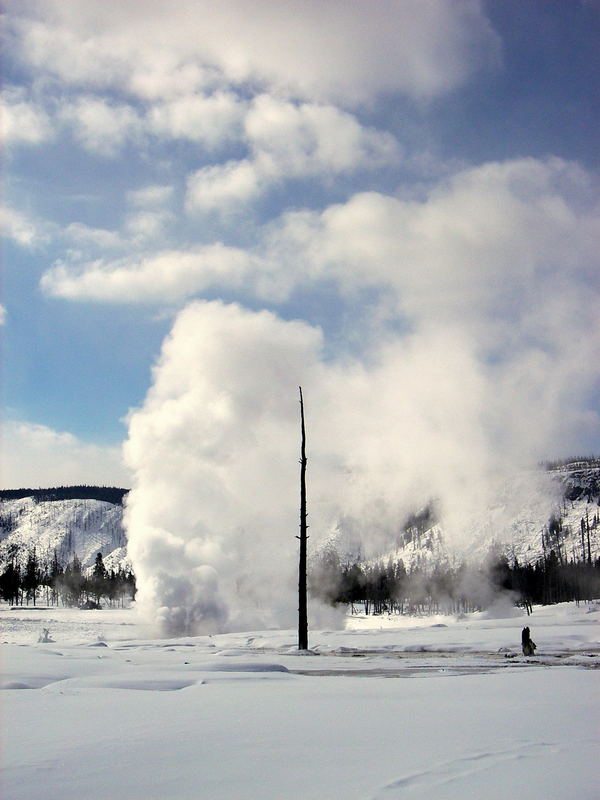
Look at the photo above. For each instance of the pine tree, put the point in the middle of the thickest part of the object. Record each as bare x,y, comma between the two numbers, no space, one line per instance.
99,578
32,576
10,582
56,575
73,582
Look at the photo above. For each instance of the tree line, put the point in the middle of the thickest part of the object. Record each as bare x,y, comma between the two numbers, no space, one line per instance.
108,494
378,588
54,583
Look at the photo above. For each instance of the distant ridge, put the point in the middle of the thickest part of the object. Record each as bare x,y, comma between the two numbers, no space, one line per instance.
572,463
107,494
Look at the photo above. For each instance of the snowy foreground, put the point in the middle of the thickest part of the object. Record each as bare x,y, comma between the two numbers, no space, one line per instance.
430,708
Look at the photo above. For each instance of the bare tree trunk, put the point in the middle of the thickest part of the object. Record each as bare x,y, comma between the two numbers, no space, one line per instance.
302,608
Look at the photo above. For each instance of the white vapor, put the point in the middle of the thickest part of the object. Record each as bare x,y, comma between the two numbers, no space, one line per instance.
211,517
213,513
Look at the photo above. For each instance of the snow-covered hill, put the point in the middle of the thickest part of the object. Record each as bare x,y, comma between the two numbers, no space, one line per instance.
517,521
81,527
528,515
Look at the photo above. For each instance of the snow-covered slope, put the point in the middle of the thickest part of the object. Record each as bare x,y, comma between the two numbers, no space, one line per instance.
517,521
81,527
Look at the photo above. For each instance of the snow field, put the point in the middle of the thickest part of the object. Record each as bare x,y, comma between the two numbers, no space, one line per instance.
239,716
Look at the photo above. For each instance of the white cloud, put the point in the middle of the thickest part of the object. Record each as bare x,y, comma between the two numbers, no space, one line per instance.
224,187
36,456
2,315
144,226
335,51
485,244
22,229
81,234
150,196
289,141
485,248
212,120
147,221
102,127
308,139
22,121
164,277
162,75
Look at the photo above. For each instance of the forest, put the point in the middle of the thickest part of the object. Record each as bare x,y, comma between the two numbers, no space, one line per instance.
107,494
68,585
389,588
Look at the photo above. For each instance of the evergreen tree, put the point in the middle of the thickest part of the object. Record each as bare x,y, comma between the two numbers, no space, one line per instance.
73,582
99,582
55,576
32,576
10,582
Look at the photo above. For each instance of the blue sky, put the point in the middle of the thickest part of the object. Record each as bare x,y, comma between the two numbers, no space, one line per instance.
387,172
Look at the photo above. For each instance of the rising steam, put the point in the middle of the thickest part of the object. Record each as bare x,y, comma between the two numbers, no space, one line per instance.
213,514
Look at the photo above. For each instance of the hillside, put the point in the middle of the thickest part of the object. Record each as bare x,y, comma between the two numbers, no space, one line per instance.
83,527
531,513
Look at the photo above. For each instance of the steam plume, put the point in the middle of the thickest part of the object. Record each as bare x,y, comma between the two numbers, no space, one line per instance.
213,514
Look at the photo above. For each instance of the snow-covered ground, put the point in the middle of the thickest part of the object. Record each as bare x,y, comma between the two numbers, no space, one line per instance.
387,708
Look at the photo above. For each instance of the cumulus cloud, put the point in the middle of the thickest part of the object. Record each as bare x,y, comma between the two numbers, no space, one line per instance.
37,456
289,141
165,276
150,196
304,49
22,229
2,315
143,226
485,244
210,119
489,246
23,121
100,126
80,234
482,345
224,187
310,138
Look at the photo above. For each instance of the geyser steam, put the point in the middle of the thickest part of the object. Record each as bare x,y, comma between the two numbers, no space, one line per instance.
213,514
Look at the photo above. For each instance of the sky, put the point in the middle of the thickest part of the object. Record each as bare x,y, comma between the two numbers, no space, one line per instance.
207,204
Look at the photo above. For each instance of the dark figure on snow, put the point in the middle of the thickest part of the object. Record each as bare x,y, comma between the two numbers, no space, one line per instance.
527,643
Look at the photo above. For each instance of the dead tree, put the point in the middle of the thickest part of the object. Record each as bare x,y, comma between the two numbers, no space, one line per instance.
302,606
